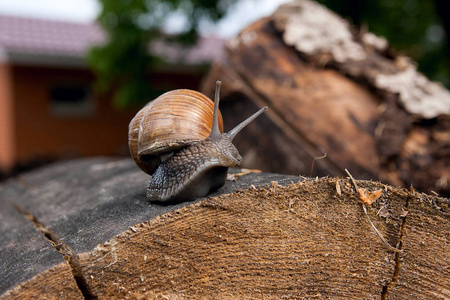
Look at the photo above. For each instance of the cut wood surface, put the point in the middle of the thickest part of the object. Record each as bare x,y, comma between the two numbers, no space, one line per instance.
335,90
83,203
294,239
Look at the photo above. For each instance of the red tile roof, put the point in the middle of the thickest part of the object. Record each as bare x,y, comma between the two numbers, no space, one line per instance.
32,40
24,35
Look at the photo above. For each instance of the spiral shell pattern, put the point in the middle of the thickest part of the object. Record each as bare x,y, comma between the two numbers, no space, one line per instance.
170,122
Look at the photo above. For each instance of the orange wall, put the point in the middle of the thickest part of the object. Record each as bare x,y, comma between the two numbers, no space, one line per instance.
7,155
41,134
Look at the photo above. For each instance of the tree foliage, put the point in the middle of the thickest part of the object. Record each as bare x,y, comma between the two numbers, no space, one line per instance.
123,62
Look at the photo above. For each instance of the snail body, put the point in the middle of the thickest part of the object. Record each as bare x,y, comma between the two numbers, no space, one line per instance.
180,143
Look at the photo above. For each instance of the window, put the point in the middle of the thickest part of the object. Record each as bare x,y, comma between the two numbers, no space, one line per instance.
71,100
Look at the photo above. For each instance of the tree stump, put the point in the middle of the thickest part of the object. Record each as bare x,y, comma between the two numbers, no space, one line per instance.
84,230
337,91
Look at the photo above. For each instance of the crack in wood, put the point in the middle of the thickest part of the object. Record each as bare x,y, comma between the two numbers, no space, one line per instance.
385,289
65,250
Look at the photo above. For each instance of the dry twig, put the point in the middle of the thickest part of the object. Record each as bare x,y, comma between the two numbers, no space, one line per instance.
380,236
338,186
314,160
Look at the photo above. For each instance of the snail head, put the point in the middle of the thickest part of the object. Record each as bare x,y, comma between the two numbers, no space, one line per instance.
228,153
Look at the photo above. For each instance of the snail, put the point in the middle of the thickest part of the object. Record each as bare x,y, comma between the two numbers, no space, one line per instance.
177,139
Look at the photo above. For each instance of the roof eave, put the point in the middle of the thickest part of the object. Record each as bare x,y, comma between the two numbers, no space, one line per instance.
41,59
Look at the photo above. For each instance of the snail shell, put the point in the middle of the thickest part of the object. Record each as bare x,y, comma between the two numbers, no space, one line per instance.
172,121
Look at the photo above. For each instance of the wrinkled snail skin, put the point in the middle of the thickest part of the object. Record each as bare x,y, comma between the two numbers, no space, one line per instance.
194,171
188,167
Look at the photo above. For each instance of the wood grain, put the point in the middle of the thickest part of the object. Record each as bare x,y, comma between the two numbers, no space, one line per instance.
425,267
298,241
55,283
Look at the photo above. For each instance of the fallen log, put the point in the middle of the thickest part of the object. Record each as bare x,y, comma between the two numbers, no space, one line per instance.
334,90
262,235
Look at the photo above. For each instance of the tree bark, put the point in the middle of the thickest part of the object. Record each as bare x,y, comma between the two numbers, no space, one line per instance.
336,91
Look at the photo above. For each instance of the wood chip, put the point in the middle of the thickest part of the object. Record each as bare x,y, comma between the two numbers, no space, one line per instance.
367,197
234,177
338,187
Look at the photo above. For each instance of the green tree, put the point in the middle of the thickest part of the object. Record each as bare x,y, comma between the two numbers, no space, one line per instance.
123,61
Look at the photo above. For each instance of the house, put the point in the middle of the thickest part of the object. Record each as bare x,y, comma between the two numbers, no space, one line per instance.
48,107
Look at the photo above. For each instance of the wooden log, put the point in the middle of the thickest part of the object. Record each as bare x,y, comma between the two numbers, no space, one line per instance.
81,204
308,238
419,273
54,283
24,251
335,90
83,229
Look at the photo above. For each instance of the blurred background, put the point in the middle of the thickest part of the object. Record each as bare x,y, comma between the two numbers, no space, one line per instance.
74,73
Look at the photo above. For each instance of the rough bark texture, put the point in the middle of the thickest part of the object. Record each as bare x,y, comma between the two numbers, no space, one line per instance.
292,238
333,90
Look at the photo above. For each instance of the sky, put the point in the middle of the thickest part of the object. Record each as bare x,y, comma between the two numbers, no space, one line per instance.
241,14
